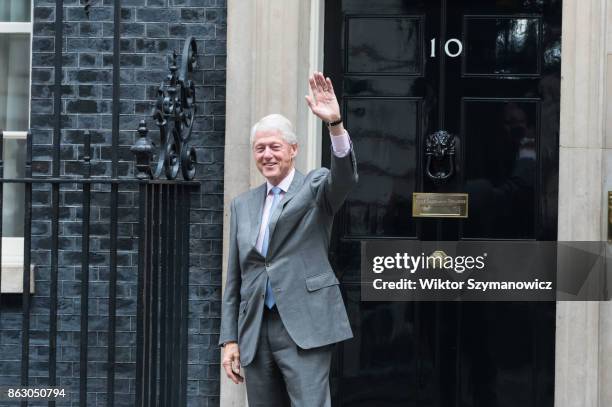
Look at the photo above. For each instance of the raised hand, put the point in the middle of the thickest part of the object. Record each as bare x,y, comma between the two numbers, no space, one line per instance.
322,100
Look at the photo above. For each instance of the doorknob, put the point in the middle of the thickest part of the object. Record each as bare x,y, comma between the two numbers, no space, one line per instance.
440,154
436,259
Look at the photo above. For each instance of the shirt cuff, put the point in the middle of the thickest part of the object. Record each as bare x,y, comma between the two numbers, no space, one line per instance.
341,145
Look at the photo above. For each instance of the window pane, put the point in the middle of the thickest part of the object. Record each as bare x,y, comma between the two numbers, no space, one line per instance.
14,81
15,10
13,198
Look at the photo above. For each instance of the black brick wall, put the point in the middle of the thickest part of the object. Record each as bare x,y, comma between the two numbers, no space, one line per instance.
151,30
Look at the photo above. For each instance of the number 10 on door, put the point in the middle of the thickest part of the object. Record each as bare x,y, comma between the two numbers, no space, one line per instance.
454,42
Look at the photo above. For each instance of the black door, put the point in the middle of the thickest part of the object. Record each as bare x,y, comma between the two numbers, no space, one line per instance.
487,72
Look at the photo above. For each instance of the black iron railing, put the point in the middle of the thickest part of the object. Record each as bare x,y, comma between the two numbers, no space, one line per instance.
162,233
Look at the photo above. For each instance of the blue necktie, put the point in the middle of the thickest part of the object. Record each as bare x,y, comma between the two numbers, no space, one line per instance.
269,301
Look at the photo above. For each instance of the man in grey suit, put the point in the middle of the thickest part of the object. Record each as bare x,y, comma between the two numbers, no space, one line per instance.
282,308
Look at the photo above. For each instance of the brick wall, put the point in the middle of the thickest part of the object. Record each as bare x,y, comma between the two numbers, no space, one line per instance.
151,29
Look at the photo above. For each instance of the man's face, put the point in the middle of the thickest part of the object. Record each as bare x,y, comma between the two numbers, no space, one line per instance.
273,155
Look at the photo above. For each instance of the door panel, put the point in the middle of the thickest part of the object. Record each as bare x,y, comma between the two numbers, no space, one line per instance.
500,139
388,131
500,98
496,46
397,47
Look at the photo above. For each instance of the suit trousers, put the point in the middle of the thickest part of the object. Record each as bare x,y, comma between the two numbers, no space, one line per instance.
282,374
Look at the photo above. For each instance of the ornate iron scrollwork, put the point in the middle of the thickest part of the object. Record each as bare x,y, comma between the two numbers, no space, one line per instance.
174,113
440,147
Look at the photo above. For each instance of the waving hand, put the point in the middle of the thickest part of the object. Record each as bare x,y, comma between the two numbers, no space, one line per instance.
322,100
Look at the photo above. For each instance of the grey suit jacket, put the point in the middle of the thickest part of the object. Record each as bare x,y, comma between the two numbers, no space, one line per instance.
304,285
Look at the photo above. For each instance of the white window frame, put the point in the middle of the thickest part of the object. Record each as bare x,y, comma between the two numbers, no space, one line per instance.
11,269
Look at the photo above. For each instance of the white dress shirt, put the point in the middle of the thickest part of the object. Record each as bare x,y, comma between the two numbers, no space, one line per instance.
341,146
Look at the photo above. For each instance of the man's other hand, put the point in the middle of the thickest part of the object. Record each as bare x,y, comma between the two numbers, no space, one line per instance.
231,362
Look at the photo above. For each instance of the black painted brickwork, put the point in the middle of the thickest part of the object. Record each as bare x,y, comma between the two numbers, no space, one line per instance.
151,29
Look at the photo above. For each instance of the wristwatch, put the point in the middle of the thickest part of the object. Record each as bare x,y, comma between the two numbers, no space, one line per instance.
337,122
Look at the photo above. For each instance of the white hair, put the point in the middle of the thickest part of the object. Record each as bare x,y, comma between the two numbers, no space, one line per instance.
275,122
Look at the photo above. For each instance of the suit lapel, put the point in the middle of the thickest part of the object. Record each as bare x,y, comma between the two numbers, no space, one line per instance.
298,179
256,205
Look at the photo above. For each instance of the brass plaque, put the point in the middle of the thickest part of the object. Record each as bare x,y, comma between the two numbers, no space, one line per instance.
438,205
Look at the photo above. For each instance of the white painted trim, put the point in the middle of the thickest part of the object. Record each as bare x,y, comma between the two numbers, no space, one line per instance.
26,27
315,63
15,135
31,53
12,250
22,28
15,28
12,279
12,266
